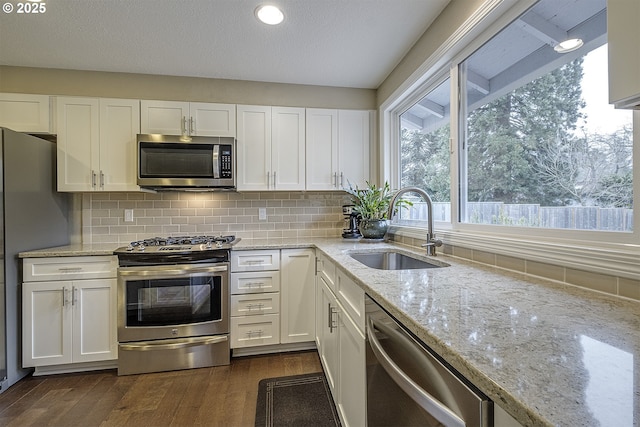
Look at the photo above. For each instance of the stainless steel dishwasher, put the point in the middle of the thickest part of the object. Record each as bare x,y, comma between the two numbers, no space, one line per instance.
407,385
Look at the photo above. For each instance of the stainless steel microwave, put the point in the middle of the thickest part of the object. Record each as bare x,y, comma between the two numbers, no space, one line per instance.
167,162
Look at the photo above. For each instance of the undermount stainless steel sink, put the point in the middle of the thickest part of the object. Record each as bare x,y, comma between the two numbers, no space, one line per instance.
389,260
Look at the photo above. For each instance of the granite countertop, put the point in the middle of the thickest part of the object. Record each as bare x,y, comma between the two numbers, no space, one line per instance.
547,353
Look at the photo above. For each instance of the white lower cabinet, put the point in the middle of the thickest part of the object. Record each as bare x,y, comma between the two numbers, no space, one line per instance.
341,341
297,296
255,298
272,298
71,320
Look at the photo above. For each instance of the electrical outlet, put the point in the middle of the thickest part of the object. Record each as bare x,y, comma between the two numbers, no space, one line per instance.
128,215
262,214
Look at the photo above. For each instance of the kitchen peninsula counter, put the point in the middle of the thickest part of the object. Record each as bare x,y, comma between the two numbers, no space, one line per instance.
548,353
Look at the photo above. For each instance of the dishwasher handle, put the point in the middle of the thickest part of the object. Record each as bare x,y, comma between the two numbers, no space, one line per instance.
429,403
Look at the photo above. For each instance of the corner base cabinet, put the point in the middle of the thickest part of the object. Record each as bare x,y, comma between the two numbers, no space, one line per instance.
69,313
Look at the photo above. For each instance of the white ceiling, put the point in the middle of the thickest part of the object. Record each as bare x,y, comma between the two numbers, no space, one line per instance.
344,43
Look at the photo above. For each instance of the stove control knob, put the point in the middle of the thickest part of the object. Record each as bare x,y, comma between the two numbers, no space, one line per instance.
208,246
129,248
141,247
219,244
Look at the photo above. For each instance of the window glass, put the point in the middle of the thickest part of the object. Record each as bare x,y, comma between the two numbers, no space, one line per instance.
541,146
424,155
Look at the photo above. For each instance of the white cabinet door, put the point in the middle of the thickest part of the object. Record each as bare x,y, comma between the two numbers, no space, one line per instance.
322,149
297,294
207,119
327,307
164,117
288,148
78,144
119,125
254,148
354,142
94,304
25,112
352,382
46,323
624,53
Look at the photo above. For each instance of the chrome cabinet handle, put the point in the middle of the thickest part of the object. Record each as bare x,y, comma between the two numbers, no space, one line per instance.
332,324
64,296
429,403
101,179
69,269
192,126
74,296
93,179
341,179
170,270
335,180
268,180
183,126
181,343
274,180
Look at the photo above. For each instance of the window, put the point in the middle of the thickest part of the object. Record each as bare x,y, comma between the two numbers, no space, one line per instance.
542,147
539,146
425,155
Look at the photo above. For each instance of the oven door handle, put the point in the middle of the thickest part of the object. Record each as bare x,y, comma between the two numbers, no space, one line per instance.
170,270
175,344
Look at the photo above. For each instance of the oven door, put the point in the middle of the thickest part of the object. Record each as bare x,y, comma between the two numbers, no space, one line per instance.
172,301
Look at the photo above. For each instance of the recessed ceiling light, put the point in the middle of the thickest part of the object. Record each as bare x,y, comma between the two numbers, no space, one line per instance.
269,14
568,45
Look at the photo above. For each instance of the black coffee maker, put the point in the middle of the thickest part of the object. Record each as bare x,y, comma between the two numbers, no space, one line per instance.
350,231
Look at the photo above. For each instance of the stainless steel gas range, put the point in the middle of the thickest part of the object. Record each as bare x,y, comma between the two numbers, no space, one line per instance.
173,303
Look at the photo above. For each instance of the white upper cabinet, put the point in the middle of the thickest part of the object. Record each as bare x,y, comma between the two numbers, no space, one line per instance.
338,148
188,118
288,148
322,149
26,113
271,148
624,53
96,144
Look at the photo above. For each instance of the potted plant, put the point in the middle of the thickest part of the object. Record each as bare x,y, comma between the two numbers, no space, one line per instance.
372,206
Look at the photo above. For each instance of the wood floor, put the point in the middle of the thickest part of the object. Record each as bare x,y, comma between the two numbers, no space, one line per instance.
219,396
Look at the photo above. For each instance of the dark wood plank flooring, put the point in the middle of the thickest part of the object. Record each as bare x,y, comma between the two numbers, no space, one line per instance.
218,396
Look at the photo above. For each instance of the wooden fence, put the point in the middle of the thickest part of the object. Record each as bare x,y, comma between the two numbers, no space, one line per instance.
531,215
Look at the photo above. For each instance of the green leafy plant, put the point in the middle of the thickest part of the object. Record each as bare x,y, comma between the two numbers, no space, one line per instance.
372,202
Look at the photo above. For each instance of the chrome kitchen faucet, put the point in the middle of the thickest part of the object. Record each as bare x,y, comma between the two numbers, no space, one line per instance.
431,237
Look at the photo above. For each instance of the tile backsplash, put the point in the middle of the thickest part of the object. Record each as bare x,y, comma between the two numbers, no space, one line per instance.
289,215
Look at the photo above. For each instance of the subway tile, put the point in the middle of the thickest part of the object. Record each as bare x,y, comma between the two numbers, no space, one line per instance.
510,263
549,271
595,281
629,288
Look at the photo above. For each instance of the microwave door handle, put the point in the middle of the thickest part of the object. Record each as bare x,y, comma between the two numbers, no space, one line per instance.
216,161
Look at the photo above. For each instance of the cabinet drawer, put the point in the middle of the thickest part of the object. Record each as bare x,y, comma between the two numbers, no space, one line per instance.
255,282
255,260
252,304
351,297
68,268
327,270
249,331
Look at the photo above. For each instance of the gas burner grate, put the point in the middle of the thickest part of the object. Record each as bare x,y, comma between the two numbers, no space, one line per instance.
183,240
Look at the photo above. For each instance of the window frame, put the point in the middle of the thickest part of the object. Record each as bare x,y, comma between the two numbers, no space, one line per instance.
601,251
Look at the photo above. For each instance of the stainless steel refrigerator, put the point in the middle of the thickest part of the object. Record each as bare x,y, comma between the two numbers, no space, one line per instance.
32,216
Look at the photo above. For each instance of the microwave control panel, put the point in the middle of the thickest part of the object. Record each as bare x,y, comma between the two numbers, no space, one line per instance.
226,160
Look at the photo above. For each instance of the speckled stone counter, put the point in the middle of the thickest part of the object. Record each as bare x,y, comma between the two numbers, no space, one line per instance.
71,250
549,354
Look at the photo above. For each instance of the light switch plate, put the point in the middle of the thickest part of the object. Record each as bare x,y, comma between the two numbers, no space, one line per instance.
262,214
128,215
